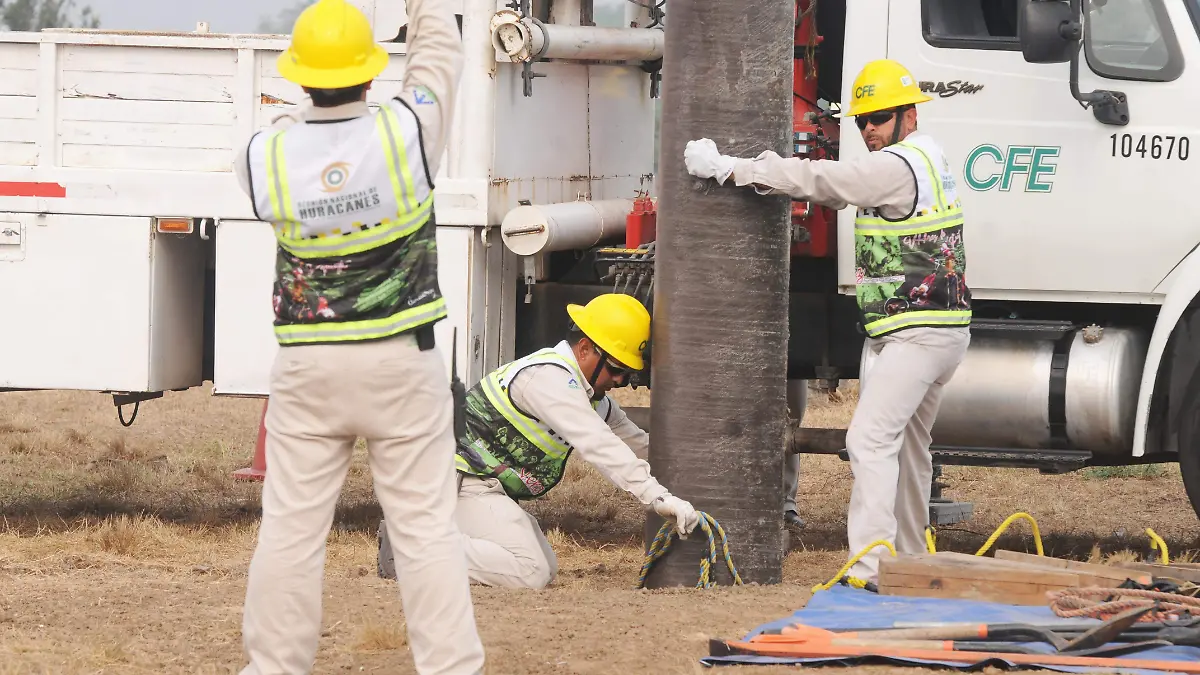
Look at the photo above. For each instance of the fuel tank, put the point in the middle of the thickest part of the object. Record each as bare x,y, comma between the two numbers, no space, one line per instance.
1076,390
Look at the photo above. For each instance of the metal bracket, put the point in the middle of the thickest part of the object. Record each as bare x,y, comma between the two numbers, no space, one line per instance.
655,69
527,76
124,398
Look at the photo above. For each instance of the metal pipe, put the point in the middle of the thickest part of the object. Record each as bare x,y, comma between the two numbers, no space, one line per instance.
595,43
523,39
538,228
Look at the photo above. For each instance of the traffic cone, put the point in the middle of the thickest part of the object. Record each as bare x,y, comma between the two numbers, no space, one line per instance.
258,468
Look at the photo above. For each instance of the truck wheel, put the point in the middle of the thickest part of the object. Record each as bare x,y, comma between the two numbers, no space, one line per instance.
1184,367
387,563
1188,426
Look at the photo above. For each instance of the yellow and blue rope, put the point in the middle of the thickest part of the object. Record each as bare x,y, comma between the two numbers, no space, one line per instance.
666,535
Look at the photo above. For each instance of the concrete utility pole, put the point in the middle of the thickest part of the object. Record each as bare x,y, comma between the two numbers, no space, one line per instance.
719,407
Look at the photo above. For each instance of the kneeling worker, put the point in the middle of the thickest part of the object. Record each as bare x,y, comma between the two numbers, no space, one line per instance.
523,421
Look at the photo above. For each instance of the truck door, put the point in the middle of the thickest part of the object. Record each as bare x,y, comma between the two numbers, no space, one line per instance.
1057,202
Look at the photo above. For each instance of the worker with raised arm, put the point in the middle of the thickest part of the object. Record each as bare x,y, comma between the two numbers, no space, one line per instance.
526,418
350,192
913,300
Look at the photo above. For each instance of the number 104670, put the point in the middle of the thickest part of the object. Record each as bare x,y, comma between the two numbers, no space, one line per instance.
1154,147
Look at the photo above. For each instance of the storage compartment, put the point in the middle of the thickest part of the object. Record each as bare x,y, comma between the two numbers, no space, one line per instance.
99,303
245,345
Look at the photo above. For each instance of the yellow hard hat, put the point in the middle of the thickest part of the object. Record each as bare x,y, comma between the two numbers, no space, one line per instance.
619,324
881,85
332,47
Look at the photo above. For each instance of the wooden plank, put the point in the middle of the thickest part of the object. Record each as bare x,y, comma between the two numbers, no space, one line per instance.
17,130
923,586
975,577
147,135
153,159
19,56
18,82
18,107
976,566
18,154
1090,573
95,59
142,87
1163,571
155,112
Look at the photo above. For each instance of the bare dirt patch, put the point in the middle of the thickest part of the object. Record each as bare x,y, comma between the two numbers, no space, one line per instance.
125,550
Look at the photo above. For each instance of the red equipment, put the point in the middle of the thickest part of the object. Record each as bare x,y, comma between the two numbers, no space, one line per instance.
641,221
814,227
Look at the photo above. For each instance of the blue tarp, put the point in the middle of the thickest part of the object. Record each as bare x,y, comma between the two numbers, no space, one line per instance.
842,608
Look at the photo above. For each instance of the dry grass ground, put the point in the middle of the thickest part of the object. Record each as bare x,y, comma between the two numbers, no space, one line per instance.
125,550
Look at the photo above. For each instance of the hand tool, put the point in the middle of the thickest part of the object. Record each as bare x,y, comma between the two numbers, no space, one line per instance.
826,650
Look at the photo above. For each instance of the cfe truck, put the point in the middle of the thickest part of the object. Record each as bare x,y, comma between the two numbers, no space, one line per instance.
132,264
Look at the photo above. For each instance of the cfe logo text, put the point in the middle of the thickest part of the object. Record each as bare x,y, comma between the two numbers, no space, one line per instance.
989,167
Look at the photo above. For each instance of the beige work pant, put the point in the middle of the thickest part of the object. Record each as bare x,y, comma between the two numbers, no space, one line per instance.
888,440
322,398
504,544
797,401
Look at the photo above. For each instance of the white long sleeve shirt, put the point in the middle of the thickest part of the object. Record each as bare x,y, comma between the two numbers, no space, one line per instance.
554,396
430,88
877,180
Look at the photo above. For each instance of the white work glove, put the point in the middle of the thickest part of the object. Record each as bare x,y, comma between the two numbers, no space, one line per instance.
685,517
704,161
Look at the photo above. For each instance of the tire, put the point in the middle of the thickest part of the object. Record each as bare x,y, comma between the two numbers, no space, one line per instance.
1187,424
1184,400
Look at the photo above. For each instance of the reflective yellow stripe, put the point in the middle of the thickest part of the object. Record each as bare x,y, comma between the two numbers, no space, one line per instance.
401,173
526,426
361,240
956,317
277,189
366,329
465,466
393,162
919,225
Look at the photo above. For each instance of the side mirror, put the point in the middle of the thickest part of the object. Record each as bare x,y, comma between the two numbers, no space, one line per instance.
1049,31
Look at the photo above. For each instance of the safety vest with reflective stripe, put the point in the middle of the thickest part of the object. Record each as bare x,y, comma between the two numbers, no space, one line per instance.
351,203
912,271
504,442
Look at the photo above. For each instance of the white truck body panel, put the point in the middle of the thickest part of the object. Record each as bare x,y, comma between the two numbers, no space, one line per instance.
101,132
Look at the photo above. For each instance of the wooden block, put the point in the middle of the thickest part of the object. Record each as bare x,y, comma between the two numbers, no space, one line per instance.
971,577
1090,574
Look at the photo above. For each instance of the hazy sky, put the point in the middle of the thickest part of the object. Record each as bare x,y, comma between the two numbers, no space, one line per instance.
233,16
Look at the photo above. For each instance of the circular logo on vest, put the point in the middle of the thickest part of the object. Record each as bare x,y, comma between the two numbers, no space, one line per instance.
334,176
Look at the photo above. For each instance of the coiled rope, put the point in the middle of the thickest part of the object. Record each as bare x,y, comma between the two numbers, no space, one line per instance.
1102,603
666,535
852,581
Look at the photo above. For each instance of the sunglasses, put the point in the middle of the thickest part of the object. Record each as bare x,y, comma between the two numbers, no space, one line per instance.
879,118
617,370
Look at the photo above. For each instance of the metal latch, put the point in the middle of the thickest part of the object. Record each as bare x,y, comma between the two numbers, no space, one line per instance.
12,241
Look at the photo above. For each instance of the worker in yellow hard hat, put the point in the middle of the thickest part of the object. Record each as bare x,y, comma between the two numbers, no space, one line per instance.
914,303
349,193
523,421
